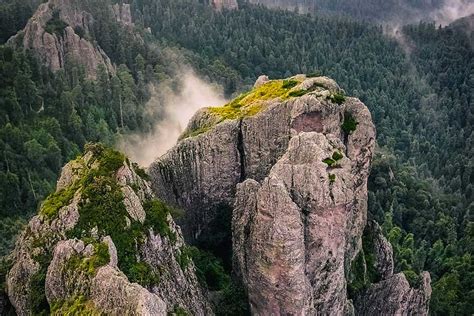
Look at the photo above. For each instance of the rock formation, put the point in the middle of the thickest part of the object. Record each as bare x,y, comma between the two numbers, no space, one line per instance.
292,157
224,4
102,243
59,31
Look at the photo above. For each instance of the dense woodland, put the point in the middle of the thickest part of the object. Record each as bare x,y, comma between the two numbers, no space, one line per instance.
419,88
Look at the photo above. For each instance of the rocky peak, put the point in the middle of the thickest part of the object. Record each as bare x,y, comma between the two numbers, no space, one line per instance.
60,31
123,13
103,244
291,159
224,4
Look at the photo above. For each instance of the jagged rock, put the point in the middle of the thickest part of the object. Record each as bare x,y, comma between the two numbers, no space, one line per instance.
233,150
224,4
294,157
112,292
77,256
394,296
382,249
261,80
64,43
300,232
123,13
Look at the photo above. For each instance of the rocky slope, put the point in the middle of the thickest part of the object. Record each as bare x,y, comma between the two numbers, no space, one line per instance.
60,30
103,244
292,158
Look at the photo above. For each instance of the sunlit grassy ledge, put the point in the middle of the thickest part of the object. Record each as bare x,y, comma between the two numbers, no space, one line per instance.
254,101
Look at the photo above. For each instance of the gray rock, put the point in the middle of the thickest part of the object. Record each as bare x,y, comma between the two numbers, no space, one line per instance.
112,293
382,249
55,49
299,232
394,296
224,4
44,247
123,13
260,81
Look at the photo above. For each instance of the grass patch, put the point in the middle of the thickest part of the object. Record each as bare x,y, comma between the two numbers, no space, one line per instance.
338,98
332,178
298,93
337,156
350,124
329,161
56,200
250,103
76,305
288,84
89,265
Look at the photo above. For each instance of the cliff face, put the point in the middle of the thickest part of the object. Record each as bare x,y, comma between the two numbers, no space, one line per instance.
292,158
60,30
102,243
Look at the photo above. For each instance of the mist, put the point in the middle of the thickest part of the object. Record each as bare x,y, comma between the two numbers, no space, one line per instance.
452,10
176,109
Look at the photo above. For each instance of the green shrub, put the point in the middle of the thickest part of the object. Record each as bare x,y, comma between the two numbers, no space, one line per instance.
332,178
157,218
329,161
209,269
337,156
56,200
178,311
55,25
141,172
288,84
337,97
313,74
350,124
298,93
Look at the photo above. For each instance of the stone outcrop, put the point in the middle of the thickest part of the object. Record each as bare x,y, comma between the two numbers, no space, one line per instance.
59,31
103,243
389,294
123,13
224,4
292,158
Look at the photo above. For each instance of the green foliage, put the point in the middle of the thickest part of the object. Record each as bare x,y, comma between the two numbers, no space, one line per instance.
337,155
234,301
357,276
76,305
178,311
56,200
298,93
5,266
314,74
332,178
141,172
288,84
329,161
102,207
350,124
55,25
89,265
337,97
209,269
157,218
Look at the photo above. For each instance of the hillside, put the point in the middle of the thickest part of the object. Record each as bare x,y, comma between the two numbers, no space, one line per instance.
418,90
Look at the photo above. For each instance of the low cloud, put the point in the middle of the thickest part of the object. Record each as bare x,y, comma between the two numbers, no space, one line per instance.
176,107
452,10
